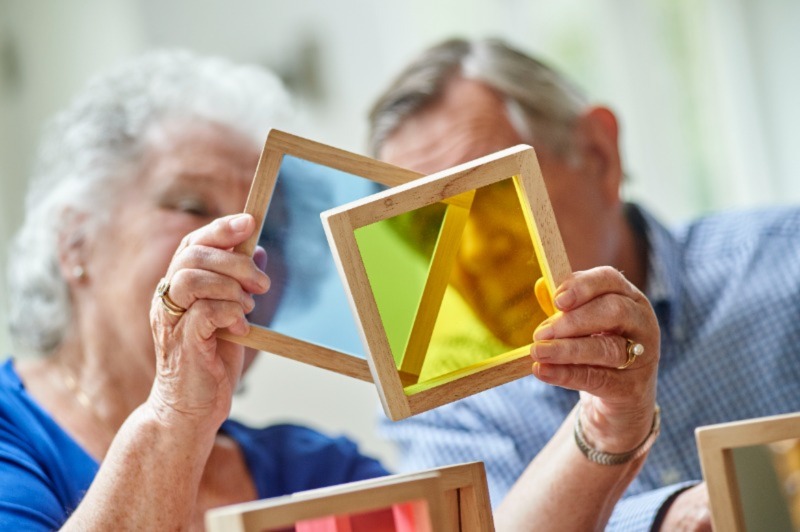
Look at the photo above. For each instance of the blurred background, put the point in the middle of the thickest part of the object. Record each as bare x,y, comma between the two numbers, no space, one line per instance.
706,92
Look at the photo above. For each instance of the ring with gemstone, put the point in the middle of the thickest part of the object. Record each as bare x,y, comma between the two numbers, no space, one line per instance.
170,307
633,350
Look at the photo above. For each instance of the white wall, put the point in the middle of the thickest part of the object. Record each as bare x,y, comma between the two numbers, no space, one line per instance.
47,50
706,94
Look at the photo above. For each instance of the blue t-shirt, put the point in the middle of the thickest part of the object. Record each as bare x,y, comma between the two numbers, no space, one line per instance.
44,473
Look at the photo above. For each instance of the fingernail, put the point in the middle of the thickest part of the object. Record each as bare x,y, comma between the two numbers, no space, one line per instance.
565,300
249,303
544,332
542,370
539,351
260,258
240,223
264,282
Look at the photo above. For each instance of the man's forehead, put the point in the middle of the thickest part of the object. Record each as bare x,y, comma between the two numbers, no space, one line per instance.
468,121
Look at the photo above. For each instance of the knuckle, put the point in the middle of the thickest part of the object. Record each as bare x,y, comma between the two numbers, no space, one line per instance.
198,255
203,307
186,242
615,308
544,351
224,313
608,273
613,354
179,278
594,379
562,324
184,286
220,225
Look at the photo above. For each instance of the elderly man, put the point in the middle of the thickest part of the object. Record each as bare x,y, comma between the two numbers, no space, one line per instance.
725,288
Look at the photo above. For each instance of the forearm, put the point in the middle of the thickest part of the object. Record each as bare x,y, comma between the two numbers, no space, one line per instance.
149,478
562,490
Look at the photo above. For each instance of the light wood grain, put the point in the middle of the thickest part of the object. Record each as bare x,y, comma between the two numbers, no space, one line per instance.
469,481
355,497
346,161
352,163
434,188
302,351
261,194
715,444
541,220
457,497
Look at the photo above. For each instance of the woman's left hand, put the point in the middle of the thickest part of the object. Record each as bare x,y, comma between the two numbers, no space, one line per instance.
585,343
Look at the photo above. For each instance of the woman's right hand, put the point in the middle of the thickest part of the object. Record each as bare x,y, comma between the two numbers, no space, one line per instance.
584,343
196,374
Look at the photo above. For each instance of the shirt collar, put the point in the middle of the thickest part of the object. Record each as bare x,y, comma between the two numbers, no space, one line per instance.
663,270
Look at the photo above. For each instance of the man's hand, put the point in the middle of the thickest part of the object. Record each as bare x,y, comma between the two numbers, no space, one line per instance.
689,511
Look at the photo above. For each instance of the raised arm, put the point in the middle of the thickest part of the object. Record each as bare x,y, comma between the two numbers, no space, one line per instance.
150,477
604,342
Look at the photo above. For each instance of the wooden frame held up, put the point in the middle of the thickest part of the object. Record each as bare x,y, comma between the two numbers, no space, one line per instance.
716,445
457,500
401,395
279,144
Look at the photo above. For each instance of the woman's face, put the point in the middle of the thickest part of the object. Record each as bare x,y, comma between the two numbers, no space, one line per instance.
190,174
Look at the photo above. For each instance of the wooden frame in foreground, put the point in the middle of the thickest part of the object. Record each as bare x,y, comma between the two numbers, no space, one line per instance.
400,394
277,145
716,444
457,498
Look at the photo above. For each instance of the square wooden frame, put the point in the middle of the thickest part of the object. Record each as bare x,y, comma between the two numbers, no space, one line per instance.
278,144
716,443
457,496
453,186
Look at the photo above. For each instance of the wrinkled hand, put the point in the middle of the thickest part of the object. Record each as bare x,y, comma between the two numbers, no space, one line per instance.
689,511
583,343
196,374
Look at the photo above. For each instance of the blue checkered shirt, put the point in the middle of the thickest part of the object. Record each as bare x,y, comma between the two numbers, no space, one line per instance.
726,290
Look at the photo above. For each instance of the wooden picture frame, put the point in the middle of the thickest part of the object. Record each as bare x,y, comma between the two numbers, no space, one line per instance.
278,145
717,445
400,394
457,499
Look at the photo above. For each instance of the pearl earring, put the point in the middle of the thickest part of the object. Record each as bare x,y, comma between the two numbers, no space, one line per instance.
78,272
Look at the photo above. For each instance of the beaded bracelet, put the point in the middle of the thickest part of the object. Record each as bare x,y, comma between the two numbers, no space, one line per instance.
603,458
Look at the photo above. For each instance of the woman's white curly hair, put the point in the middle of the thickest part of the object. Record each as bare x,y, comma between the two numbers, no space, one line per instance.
85,146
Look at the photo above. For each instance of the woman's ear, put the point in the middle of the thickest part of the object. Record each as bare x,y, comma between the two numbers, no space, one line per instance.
599,141
72,247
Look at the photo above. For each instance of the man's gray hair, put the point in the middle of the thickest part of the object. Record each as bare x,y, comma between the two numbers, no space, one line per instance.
88,150
542,104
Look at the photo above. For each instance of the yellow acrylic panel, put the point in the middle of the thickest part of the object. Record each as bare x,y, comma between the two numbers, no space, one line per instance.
485,306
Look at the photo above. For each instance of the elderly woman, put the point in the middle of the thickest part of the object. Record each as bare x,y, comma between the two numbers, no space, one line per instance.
156,156
122,420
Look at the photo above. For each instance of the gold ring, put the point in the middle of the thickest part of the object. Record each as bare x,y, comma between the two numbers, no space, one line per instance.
633,350
169,306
